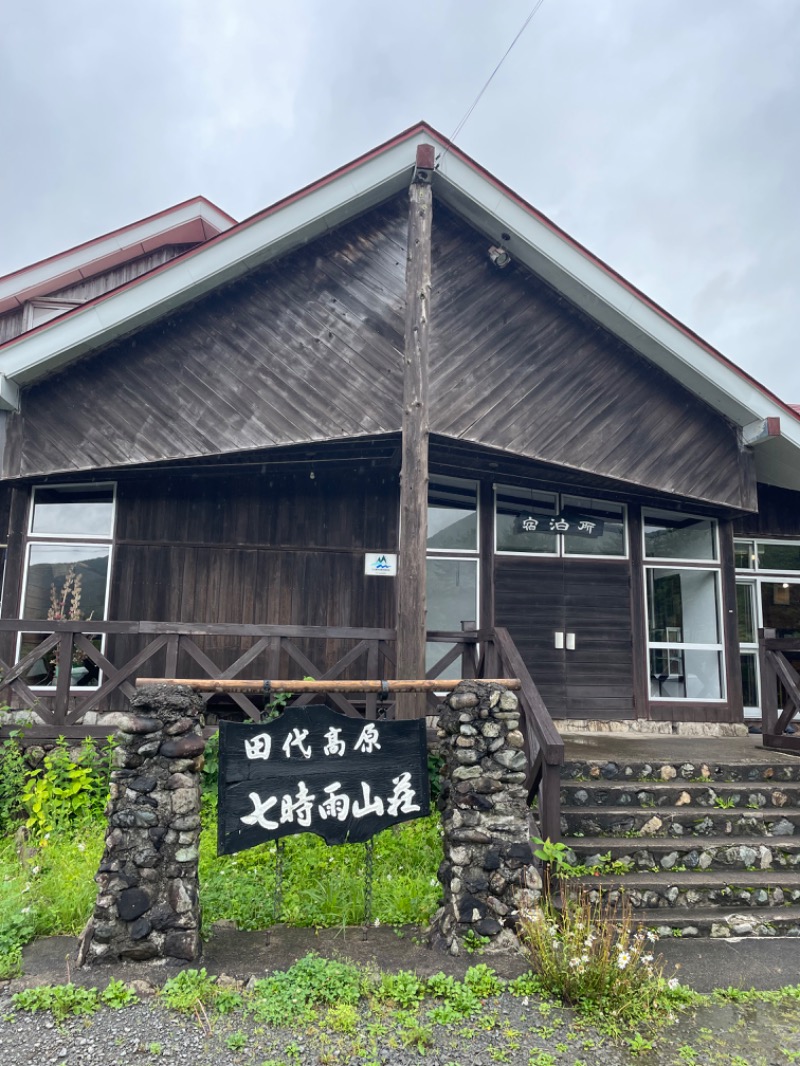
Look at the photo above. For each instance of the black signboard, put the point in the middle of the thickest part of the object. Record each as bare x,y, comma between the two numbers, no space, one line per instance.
576,525
316,771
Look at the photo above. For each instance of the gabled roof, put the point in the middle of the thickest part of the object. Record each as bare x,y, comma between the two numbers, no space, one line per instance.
191,222
530,237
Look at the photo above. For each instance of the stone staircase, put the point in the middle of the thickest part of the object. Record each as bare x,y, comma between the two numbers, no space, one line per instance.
702,835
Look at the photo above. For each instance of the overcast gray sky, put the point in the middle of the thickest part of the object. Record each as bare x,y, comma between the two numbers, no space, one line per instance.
663,134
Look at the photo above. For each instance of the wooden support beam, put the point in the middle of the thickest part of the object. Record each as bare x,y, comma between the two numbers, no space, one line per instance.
411,593
216,684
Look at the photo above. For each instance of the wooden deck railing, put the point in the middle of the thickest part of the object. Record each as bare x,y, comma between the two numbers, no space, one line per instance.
780,690
67,674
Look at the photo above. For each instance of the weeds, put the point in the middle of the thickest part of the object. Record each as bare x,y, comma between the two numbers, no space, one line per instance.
595,958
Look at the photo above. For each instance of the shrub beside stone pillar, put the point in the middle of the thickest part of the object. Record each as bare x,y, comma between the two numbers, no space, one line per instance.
147,904
487,871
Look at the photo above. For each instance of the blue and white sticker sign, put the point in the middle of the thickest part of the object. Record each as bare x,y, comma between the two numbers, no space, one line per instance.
314,770
384,564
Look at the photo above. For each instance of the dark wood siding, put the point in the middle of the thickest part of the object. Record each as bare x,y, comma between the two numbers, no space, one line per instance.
590,598
514,366
307,349
778,514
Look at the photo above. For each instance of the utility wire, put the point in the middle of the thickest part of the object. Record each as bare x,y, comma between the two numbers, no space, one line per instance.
489,80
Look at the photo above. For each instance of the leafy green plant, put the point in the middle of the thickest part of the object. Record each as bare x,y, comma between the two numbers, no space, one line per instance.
473,943
61,1001
13,771
724,802
312,982
236,1041
189,990
483,981
404,989
117,995
65,791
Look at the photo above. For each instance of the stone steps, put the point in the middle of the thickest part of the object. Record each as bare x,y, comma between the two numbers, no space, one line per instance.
707,853
733,890
676,822
704,848
726,795
724,770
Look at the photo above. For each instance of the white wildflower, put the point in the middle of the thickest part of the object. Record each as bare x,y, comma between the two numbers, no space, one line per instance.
26,910
81,847
36,870
623,959
652,937
647,959
673,983
574,963
377,923
590,939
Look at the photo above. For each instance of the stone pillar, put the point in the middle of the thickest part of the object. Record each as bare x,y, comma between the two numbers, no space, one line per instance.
147,904
487,872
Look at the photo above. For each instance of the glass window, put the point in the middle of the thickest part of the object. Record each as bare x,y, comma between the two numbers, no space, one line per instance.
745,612
749,667
670,535
600,525
682,613
776,556
67,571
452,516
744,554
523,518
66,583
71,511
780,607
452,596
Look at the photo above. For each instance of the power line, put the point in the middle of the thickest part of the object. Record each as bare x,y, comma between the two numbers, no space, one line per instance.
488,81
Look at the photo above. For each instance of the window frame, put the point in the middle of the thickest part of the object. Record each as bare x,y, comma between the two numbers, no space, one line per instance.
560,538
68,540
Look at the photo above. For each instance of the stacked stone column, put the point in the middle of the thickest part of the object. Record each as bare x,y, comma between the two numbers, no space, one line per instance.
147,904
487,871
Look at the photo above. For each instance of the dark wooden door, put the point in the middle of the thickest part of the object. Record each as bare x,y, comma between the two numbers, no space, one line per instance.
537,598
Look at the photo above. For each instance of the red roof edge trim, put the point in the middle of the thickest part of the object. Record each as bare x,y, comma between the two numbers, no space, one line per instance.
117,232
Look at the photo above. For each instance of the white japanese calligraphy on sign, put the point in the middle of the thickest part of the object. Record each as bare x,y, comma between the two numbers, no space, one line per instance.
402,797
258,747
530,525
561,524
586,527
258,817
296,739
334,743
368,740
337,805
369,806
300,805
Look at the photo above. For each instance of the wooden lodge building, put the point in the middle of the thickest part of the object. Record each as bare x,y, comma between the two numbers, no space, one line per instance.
216,437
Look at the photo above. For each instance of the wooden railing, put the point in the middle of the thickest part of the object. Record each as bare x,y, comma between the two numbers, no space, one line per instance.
780,690
68,671
44,678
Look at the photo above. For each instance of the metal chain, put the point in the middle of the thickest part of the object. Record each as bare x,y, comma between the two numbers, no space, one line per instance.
368,871
277,895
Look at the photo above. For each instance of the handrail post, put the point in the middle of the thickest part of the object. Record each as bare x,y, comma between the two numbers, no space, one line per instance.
769,684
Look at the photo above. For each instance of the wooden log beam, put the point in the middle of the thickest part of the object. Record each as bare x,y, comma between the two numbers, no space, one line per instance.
240,685
411,593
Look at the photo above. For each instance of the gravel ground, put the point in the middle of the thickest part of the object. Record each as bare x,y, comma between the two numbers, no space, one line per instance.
520,1036
507,1030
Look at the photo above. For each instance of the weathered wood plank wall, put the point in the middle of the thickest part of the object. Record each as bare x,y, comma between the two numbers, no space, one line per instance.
515,367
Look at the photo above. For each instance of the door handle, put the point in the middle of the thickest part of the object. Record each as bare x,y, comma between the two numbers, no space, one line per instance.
570,642
559,640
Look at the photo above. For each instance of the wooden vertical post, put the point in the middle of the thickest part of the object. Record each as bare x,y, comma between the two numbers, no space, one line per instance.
411,597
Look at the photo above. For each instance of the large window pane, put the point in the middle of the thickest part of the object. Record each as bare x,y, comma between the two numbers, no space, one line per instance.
682,606
86,511
686,673
452,516
780,606
744,554
66,582
779,556
452,599
668,535
745,613
607,535
523,518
